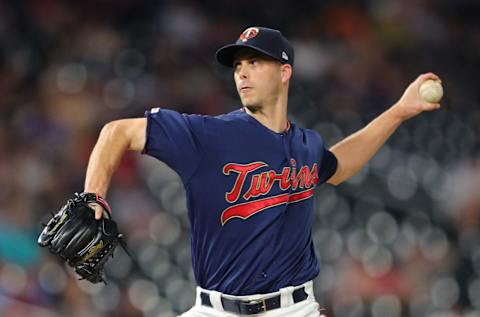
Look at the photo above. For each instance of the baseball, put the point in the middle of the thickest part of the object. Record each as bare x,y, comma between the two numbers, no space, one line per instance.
431,91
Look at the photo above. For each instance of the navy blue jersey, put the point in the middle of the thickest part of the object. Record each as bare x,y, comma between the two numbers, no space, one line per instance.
249,195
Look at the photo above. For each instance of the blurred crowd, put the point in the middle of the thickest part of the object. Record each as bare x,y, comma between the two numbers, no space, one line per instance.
401,238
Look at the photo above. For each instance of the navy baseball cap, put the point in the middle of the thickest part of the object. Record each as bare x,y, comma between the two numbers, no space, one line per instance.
267,41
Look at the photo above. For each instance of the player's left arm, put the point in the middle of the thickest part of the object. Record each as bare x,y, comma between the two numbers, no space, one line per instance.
357,149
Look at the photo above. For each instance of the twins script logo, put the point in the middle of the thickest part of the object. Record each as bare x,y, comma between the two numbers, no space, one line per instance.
262,183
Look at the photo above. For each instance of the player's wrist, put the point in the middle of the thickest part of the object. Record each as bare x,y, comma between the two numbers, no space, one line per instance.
398,112
96,198
97,187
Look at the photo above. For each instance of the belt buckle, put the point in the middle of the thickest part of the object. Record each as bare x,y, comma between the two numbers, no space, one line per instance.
262,308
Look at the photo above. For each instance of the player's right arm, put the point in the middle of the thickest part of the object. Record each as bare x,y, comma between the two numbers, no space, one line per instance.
115,139
356,150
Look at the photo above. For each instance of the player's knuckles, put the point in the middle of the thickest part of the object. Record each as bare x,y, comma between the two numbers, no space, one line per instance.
421,77
428,74
425,76
431,76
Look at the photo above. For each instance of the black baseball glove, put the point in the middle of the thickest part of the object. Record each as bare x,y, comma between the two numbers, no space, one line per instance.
82,241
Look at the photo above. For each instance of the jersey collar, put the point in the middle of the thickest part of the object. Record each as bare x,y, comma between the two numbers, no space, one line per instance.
251,118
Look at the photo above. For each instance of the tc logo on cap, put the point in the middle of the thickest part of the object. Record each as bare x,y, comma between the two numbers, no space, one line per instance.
248,34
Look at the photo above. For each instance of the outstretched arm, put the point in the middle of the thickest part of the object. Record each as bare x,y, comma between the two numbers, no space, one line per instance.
356,150
115,138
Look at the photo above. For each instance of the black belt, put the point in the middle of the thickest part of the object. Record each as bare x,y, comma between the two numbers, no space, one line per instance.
252,307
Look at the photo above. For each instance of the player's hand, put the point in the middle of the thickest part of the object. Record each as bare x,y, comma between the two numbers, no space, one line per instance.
411,104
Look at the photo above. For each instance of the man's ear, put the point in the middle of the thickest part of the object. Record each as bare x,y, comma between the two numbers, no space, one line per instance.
286,72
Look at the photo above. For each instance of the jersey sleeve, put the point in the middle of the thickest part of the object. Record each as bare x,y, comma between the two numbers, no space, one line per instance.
175,139
328,166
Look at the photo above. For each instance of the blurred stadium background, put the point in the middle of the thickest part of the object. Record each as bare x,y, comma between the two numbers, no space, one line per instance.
400,239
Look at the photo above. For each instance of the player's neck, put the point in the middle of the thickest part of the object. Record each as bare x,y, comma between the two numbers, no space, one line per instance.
272,115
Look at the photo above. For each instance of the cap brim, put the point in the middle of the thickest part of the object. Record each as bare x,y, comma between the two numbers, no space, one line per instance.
226,54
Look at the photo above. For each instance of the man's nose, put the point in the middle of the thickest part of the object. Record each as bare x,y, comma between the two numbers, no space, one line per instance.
242,71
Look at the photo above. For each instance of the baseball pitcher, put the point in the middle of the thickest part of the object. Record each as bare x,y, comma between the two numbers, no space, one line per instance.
250,177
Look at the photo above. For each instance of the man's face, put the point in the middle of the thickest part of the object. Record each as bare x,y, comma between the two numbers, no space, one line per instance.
257,78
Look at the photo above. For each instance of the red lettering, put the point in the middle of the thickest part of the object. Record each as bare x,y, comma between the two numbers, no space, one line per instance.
283,178
314,175
261,185
242,170
302,177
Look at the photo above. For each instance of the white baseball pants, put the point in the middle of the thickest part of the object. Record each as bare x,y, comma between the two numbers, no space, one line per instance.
306,308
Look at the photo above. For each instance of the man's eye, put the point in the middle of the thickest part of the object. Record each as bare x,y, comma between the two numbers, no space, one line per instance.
253,61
